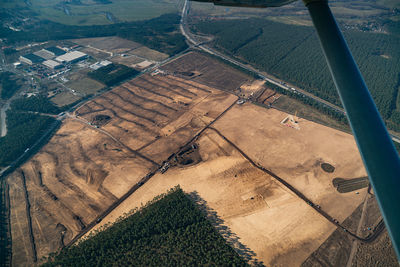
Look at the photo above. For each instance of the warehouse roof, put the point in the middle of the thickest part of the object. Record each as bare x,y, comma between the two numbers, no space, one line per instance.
51,64
68,57
33,58
56,51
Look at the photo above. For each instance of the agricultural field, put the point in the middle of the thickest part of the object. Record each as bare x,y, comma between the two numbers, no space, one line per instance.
87,12
200,68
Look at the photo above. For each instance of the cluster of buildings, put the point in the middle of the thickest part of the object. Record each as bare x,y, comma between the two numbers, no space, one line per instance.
100,64
52,57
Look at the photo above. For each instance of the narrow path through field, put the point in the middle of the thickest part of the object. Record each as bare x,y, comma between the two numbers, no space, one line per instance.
355,242
28,217
140,183
378,229
136,153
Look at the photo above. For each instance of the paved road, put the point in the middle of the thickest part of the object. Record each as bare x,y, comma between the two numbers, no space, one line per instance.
267,77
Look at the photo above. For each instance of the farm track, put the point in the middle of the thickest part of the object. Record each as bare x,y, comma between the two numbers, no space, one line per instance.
135,152
149,90
377,230
147,99
28,217
89,112
189,84
142,126
130,102
111,102
139,184
174,85
175,92
71,186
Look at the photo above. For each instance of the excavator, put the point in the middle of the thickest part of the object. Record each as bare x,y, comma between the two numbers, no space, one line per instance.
379,155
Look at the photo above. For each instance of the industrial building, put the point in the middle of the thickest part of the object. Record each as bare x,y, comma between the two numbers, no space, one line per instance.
71,57
31,59
52,64
44,54
55,51
17,65
99,65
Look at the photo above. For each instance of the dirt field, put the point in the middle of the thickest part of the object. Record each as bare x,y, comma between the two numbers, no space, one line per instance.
86,167
210,71
275,226
297,155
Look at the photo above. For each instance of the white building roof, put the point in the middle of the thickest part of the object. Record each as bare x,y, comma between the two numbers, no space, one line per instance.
51,63
44,54
71,56
105,62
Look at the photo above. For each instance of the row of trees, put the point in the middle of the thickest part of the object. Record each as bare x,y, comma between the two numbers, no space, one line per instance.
160,33
169,231
112,74
292,53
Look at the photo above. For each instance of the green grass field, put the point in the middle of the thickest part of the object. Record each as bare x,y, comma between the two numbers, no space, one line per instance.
64,98
85,86
91,13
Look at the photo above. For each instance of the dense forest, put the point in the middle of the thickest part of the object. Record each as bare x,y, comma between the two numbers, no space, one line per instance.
112,74
23,130
292,53
161,34
168,231
36,104
9,85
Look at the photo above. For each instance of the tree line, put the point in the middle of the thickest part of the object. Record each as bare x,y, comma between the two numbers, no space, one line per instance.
168,231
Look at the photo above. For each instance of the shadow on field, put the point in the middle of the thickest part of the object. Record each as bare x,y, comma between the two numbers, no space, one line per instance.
227,234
